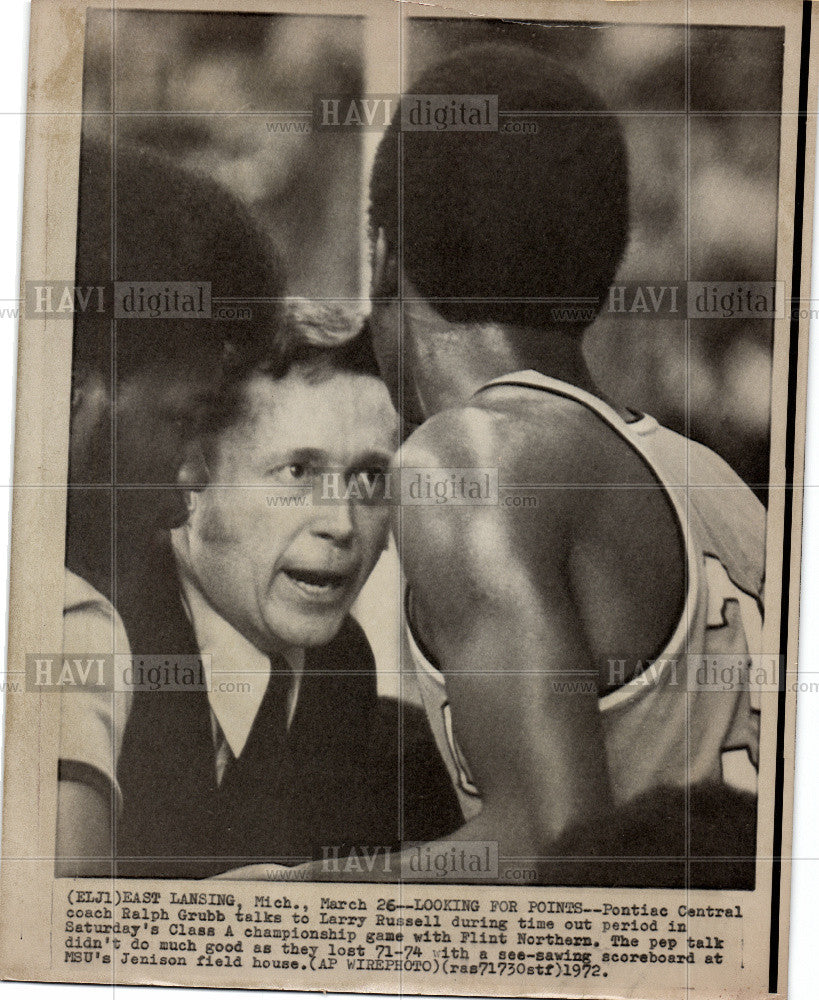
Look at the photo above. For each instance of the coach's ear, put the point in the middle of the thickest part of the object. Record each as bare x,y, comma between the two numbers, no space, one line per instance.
384,281
194,474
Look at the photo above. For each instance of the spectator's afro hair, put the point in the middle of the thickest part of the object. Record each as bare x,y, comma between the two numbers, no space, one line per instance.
168,224
672,838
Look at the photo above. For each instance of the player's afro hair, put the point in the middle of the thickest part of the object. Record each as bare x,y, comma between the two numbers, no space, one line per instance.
142,218
505,216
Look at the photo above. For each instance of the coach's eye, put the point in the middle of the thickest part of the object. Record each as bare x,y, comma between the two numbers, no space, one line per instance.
294,474
370,484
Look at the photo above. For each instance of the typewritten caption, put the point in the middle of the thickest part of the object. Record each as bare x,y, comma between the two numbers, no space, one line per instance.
402,931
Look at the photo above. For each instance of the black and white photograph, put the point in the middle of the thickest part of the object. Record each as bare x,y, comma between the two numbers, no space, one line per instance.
421,492
594,470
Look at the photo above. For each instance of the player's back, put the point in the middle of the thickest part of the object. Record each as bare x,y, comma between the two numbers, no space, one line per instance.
690,706
667,572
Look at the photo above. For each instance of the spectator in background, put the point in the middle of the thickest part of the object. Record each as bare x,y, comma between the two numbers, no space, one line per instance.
139,390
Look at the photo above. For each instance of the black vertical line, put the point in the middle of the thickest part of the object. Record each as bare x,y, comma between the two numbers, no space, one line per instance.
790,443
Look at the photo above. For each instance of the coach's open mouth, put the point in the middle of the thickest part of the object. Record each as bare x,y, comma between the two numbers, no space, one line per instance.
317,583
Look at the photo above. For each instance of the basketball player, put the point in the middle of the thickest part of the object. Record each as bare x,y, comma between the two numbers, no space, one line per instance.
557,645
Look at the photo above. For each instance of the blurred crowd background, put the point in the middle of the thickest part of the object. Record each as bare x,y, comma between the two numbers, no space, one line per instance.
218,92
206,88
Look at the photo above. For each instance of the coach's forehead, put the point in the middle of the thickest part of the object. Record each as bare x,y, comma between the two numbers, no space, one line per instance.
337,411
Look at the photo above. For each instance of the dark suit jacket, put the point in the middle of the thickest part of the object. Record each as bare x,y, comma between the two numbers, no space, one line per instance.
353,770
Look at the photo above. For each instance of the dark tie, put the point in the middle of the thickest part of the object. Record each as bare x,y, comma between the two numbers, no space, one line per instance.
268,733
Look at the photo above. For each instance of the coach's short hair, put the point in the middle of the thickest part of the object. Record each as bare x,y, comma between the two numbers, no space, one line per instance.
316,338
319,337
506,217
143,218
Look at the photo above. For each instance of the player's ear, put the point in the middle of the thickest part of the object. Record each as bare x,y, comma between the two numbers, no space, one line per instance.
194,474
384,281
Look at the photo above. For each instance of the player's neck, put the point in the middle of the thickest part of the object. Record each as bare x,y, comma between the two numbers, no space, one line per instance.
449,371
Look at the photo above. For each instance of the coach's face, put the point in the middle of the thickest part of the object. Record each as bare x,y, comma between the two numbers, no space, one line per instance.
281,567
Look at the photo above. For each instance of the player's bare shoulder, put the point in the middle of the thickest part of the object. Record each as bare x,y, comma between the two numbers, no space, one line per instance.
501,425
523,442
527,436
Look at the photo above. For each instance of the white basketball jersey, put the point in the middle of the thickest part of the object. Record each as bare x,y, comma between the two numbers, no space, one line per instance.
687,716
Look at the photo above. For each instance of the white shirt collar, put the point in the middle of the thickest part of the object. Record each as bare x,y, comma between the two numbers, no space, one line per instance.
237,672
